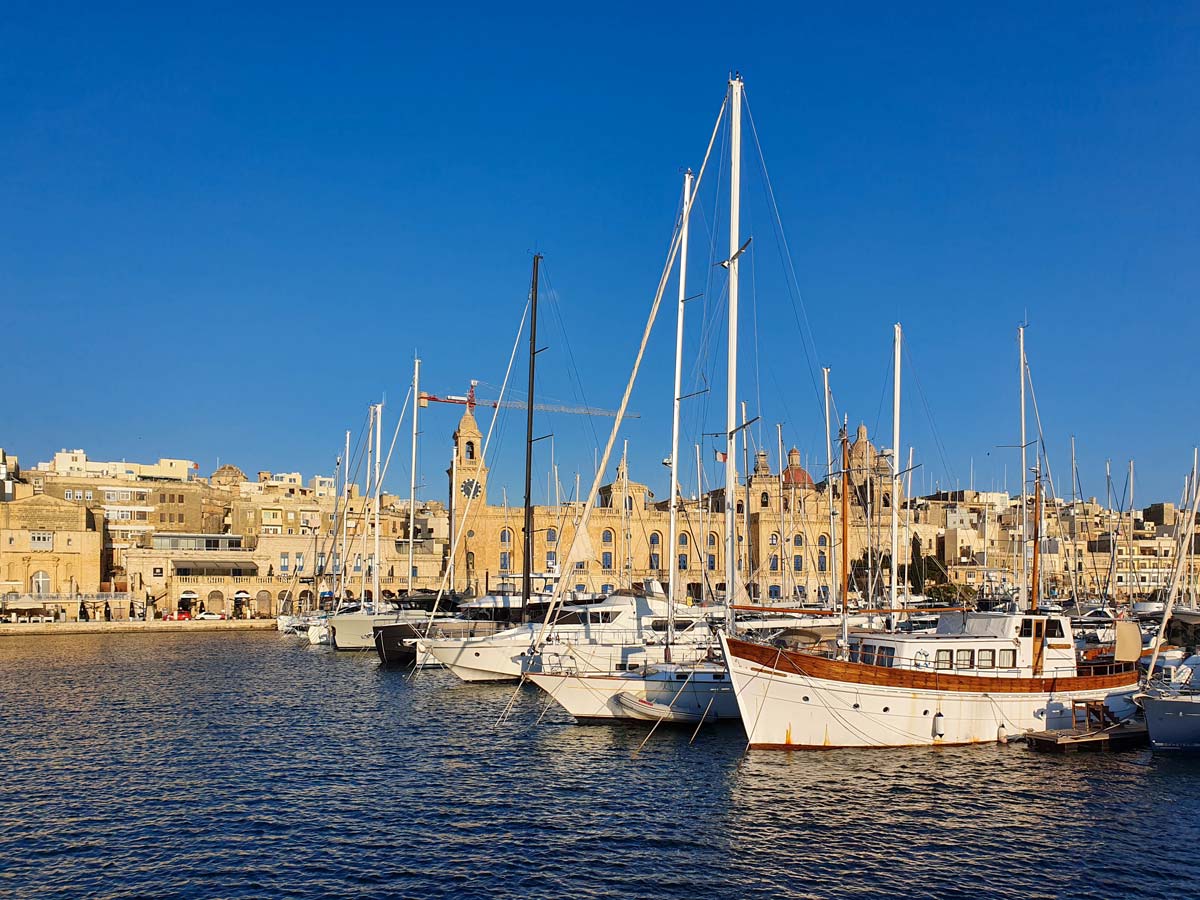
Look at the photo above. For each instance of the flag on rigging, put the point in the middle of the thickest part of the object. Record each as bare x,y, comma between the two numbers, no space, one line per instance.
721,456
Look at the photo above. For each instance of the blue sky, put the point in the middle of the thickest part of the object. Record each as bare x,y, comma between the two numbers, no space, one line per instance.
224,232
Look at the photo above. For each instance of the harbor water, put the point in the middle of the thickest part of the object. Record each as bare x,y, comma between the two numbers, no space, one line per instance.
253,765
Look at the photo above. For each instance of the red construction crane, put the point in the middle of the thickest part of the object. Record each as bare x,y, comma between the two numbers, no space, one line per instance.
471,401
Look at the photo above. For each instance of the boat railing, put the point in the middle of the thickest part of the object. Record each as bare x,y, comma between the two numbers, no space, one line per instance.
924,662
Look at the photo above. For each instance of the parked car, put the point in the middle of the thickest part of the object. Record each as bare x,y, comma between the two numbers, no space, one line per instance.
181,615
210,616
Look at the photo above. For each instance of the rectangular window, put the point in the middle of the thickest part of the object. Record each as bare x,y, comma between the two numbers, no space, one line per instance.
774,564
712,562
181,518
357,563
110,495
141,515
87,495
1008,659
551,559
944,659
964,659
284,562
171,518
505,561
124,495
654,560
580,566
683,559
299,562
797,563
987,659
68,495
162,498
606,559
321,563
867,655
885,656
41,540
162,517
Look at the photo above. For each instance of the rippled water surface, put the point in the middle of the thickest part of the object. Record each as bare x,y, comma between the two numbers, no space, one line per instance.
249,765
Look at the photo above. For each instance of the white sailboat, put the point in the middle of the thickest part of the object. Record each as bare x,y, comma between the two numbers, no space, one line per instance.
678,690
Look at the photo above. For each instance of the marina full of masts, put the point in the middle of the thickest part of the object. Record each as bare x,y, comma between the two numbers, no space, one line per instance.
820,603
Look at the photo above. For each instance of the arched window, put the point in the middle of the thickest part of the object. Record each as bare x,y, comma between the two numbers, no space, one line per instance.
683,539
712,539
505,536
774,593
551,536
606,536
823,541
470,560
797,540
628,503
773,540
655,539
765,500
40,582
470,450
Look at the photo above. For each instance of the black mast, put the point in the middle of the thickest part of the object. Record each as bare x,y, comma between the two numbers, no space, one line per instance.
527,549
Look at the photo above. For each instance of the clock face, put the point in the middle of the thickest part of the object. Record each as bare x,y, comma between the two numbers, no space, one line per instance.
471,488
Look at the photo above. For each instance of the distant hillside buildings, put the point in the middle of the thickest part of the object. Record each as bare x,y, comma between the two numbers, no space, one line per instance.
160,534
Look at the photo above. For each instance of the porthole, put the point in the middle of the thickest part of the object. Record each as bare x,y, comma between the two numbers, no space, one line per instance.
476,652
925,713
886,708
856,706
805,699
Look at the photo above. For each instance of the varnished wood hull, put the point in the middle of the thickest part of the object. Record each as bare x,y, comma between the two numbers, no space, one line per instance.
791,700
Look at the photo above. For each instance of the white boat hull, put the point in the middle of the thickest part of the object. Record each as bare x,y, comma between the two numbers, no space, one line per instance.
793,710
594,697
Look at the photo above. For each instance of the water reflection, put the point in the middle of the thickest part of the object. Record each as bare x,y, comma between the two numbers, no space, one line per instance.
249,765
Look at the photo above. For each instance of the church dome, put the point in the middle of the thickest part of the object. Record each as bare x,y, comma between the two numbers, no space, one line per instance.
794,475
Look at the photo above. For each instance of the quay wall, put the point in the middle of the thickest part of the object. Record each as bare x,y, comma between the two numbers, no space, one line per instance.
125,627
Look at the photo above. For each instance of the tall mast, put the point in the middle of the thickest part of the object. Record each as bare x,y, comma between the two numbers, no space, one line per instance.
703,538
1074,526
1024,595
746,502
375,551
829,479
345,521
908,526
412,478
1131,578
783,569
362,540
1037,538
527,549
672,581
731,424
895,456
845,538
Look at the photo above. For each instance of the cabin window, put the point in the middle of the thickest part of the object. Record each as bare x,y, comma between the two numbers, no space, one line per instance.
854,653
1054,629
867,656
1008,659
943,659
987,659
964,659
885,656
1027,628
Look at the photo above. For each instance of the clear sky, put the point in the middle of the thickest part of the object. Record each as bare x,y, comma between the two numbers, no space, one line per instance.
224,232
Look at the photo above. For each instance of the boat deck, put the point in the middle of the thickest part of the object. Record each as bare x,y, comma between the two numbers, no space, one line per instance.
1093,728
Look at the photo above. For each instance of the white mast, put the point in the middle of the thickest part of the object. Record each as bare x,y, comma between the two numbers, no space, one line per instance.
895,456
703,538
362,539
746,503
783,568
412,477
731,423
345,520
375,551
832,559
1023,598
672,581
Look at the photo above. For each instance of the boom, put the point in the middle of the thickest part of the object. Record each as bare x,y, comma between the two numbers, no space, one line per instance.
471,401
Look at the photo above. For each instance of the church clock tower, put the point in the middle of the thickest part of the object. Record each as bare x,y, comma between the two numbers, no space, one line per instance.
468,475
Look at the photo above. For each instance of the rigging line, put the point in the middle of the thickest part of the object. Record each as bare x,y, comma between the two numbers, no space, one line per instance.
556,596
1045,453
556,306
806,330
937,439
461,524
388,461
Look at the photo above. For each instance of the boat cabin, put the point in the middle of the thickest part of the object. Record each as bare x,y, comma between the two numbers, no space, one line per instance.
996,644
